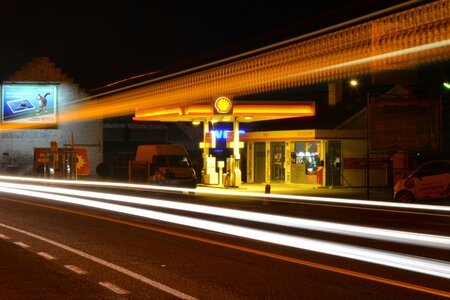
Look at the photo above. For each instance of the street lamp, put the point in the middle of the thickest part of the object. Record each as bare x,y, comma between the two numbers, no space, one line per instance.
354,82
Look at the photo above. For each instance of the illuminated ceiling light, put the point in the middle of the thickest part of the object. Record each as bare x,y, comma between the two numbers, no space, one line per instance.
195,122
248,118
447,85
214,121
354,82
199,110
244,110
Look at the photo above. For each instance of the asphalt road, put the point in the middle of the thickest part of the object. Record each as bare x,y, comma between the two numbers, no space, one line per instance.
55,250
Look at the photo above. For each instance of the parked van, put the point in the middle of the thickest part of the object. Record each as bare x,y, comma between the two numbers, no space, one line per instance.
163,164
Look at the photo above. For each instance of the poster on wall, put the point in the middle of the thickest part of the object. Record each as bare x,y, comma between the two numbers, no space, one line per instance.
399,123
29,103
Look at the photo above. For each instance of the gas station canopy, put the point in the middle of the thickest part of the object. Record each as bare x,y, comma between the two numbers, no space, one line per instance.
223,110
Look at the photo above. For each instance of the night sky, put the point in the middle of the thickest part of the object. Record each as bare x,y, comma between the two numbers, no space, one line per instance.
99,42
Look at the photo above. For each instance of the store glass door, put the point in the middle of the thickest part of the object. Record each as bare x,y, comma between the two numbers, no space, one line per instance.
277,150
334,168
260,162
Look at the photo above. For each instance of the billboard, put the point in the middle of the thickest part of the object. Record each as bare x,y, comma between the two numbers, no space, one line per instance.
29,103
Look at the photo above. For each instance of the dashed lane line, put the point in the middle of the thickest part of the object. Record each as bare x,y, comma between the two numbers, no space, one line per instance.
369,277
113,287
46,256
105,263
22,245
76,269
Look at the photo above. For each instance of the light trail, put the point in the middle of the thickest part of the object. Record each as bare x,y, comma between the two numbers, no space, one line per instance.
351,48
227,192
406,262
414,238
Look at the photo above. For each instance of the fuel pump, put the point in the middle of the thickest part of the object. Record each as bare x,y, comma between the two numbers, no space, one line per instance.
233,175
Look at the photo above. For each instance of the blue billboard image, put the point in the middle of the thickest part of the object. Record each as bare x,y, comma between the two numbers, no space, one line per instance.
29,103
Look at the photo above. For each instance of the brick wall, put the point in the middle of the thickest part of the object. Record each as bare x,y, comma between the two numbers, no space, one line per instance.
17,147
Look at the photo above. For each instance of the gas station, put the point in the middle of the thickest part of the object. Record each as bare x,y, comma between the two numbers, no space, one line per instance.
223,109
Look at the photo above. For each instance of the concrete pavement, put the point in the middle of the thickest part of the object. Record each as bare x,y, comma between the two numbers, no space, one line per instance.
374,193
357,193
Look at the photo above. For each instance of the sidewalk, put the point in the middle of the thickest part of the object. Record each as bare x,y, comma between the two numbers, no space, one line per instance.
375,193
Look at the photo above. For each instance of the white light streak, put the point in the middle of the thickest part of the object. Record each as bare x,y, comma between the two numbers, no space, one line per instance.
406,262
227,192
414,238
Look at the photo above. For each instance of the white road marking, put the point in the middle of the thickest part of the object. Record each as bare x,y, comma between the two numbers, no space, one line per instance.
23,245
4,237
46,256
105,263
76,269
113,288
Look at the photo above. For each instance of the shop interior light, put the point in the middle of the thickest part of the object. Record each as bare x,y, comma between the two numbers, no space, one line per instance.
248,118
195,122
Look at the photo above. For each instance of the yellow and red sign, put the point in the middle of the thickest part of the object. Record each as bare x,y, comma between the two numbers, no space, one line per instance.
82,161
43,156
223,105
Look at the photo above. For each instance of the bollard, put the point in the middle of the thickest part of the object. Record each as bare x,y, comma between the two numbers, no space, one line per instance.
266,191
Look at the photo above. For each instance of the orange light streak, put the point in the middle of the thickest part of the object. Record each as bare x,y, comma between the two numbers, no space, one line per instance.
164,112
406,39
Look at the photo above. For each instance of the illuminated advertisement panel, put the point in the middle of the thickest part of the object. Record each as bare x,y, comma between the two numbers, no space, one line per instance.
29,103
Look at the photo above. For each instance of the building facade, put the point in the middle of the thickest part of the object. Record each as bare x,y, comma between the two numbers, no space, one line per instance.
313,157
17,145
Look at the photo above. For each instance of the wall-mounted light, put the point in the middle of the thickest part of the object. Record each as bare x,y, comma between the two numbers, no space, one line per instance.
195,122
354,82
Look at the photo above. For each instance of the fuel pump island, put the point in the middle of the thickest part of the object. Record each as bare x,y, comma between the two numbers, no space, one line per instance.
223,109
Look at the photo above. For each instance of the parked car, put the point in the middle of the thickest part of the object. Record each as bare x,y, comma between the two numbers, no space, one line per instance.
431,180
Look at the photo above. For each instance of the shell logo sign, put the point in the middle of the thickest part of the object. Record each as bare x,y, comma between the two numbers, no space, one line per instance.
223,105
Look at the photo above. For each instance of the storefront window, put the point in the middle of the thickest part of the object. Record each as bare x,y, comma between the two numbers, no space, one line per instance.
307,154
